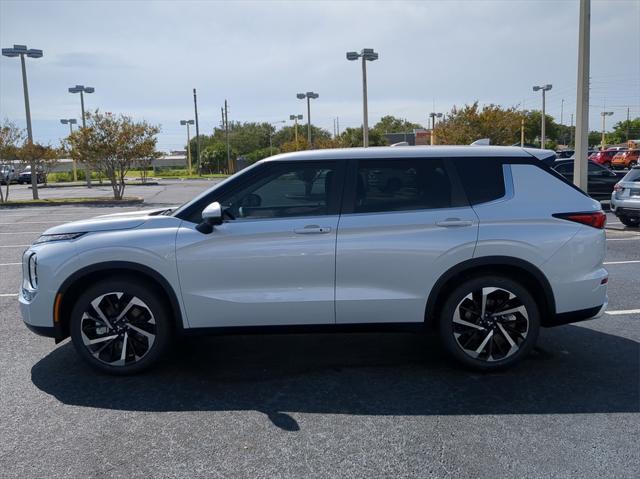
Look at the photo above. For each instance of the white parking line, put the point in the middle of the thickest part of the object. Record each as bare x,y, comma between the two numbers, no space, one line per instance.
624,311
22,233
9,264
623,239
8,295
623,262
14,245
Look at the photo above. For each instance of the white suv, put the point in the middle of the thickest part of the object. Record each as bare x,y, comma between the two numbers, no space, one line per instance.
483,244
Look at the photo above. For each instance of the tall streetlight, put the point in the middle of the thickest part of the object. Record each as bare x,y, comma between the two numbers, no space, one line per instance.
82,90
604,114
71,122
187,123
195,108
22,51
295,119
309,95
271,135
367,54
544,88
433,117
581,145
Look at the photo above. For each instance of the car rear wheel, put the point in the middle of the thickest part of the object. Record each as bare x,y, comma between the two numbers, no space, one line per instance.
489,323
120,327
628,221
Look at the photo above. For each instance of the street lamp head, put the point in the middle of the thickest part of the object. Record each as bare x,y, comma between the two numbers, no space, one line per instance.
311,94
10,52
301,96
548,86
606,113
64,122
536,88
72,121
89,89
368,54
439,115
33,53
353,56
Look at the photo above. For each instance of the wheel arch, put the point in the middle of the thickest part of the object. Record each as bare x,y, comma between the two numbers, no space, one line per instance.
79,280
517,269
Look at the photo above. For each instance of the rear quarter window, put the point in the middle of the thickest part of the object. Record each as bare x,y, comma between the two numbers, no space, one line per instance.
633,175
481,178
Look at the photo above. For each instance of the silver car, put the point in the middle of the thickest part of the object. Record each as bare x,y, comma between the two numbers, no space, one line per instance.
625,199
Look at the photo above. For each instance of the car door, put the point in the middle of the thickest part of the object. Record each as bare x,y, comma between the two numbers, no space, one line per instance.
404,223
274,264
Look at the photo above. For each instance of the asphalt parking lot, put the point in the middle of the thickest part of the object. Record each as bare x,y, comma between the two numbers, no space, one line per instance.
359,405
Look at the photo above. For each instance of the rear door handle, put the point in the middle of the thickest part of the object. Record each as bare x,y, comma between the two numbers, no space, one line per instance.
454,222
312,230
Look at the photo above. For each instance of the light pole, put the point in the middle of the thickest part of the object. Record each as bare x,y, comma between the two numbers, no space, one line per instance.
581,146
309,95
183,123
433,117
544,88
271,135
21,51
195,108
71,122
295,119
367,54
82,90
604,115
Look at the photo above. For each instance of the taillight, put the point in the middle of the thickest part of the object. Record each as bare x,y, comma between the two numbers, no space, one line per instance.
617,188
596,219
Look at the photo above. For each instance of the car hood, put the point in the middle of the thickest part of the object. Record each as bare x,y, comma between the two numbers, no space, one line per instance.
116,221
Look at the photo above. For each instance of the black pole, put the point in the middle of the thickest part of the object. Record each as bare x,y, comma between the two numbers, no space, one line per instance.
195,106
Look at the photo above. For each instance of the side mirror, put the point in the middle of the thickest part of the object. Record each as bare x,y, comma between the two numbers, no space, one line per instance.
211,216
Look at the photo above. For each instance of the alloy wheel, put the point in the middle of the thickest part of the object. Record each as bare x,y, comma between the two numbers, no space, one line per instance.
490,324
118,329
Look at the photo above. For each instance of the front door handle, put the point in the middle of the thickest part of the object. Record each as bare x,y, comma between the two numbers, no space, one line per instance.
454,222
312,230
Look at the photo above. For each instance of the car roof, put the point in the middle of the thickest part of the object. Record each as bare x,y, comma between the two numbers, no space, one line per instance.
389,152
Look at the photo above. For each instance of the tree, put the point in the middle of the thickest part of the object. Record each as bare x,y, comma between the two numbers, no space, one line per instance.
42,158
112,144
391,124
471,122
620,129
145,163
214,157
10,138
533,129
352,137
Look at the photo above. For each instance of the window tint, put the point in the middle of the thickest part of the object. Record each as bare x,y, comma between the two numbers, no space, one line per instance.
565,168
398,185
633,175
482,178
284,191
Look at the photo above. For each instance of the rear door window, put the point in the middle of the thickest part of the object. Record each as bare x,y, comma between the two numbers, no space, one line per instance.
402,185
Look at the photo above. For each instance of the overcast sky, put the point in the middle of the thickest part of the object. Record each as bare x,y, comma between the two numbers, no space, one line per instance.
144,58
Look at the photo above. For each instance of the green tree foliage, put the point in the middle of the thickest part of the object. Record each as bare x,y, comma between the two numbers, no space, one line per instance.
471,122
533,129
619,133
10,139
352,137
391,124
112,145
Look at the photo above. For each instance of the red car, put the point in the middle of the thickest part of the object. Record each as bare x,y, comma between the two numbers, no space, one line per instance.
604,157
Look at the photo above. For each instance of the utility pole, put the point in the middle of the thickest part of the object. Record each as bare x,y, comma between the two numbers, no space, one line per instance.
562,112
580,164
338,125
604,114
628,122
226,128
195,105
571,131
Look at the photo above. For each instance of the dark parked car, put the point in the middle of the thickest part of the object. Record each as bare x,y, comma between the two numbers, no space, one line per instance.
25,177
601,180
564,154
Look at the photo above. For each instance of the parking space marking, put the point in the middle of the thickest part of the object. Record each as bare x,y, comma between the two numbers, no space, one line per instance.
624,239
9,264
8,295
31,223
14,245
623,311
623,262
22,233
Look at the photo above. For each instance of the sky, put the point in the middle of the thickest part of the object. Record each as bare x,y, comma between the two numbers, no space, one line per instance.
144,58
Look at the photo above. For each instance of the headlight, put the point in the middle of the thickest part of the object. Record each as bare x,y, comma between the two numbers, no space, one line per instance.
57,237
32,266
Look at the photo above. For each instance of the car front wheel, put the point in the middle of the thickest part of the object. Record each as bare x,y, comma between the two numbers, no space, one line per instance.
120,327
489,323
628,221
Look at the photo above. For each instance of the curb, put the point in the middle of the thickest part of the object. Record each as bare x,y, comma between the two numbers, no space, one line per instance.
136,200
76,185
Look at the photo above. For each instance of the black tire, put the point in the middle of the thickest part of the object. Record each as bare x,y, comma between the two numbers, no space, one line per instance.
627,221
497,352
145,324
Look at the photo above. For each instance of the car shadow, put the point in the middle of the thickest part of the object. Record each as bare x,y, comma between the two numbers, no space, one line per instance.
574,370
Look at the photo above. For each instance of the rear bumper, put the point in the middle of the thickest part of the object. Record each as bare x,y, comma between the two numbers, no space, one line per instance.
626,211
580,315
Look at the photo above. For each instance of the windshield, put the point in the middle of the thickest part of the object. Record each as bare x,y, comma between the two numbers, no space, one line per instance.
633,175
